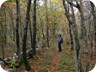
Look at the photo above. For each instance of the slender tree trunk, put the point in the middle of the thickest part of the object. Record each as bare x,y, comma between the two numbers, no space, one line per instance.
84,37
5,27
30,33
34,28
13,32
17,28
43,36
76,44
25,37
43,33
2,40
42,30
47,27
12,23
2,30
69,24
3,53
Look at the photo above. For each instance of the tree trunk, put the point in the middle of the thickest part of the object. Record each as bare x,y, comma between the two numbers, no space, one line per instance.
3,53
5,27
30,33
42,30
34,28
25,37
94,19
47,27
84,37
77,47
2,33
73,27
17,28
69,24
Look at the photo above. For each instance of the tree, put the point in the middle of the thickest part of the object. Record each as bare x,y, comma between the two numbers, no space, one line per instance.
2,35
30,28
17,28
47,27
84,35
25,36
69,24
34,28
94,17
76,43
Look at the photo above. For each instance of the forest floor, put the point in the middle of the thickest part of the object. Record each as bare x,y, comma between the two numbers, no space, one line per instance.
50,60
54,61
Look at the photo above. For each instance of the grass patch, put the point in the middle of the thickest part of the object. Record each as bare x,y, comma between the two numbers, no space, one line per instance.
66,62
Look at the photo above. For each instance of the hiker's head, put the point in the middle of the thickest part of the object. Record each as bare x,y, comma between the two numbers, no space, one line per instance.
59,35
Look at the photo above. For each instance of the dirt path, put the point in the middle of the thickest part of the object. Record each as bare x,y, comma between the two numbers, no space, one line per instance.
55,61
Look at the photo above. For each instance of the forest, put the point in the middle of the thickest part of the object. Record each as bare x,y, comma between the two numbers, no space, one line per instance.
30,32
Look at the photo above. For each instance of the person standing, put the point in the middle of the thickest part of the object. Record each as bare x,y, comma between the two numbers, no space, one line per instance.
60,41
